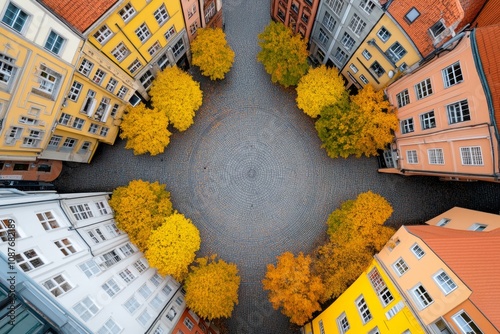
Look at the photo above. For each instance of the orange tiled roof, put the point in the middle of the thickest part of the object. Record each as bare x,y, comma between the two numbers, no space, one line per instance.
490,14
81,14
488,44
474,257
454,12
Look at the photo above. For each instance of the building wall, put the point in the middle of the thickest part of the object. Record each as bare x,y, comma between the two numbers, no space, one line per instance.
297,14
474,313
466,219
191,11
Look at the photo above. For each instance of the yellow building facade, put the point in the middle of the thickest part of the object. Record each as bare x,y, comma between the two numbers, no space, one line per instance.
383,56
372,304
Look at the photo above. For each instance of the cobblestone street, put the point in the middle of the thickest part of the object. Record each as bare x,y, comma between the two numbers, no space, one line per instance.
251,175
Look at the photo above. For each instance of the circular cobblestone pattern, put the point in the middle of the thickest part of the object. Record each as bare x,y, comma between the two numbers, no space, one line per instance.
251,175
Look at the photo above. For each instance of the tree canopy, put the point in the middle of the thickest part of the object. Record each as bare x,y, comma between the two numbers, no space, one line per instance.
283,54
212,288
175,93
357,126
320,87
211,53
172,247
293,288
145,130
140,208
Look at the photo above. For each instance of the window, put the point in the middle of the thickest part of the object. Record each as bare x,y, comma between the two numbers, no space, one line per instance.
140,266
85,67
104,132
157,302
367,5
120,52
437,29
122,92
342,323
81,211
103,34
423,89
171,314
54,43
7,71
384,34
403,98
131,305
85,147
178,48
357,25
363,79
443,222
374,331
28,120
5,232
419,252
93,128
111,287
188,323
364,312
427,120
478,227
156,279
127,250
193,27
466,324
305,17
29,260
191,11
210,11
111,85
166,290
396,52
154,48
458,112
407,125
113,230
109,327
353,68
436,156
452,75
15,18
99,76
57,285
47,220
143,32
75,91
65,246
115,109
144,318
147,79
90,268
78,123
321,327
109,259
134,66
86,309
96,235
179,301
340,56
445,282
471,156
127,275
49,81
400,266
127,12
412,15
347,41
103,208
380,287
295,7
329,22
422,296
170,32
322,37
366,54
377,69
411,157
336,5
161,15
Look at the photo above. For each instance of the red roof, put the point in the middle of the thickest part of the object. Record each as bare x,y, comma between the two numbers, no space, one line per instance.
490,14
81,14
488,44
474,257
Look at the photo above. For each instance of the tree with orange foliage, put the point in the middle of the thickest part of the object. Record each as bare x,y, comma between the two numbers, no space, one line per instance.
293,288
211,53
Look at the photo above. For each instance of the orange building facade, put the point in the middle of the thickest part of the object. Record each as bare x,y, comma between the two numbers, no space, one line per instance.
297,14
448,113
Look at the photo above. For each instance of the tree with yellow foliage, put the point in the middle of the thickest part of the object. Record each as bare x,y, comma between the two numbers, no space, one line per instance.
140,208
320,87
211,53
293,288
175,93
283,54
212,288
172,247
145,130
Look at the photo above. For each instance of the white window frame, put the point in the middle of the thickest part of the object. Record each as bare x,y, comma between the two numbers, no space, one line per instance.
127,275
343,323
363,79
407,125
29,262
357,25
111,287
144,317
384,34
161,15
109,327
428,120
103,34
81,211
400,266
323,37
131,305
367,54
412,157
65,246
367,6
452,75
347,41
417,251
120,52
17,19
48,220
422,296
85,67
143,32
90,268
353,68
75,90
363,310
57,285
478,227
54,43
329,21
471,156
436,156
86,309
423,89
127,12
403,98
465,324
188,323
458,112
134,66
444,281
380,287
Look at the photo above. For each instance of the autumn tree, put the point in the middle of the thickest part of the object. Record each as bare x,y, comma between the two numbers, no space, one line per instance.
140,208
175,93
172,247
357,126
145,130
293,288
212,288
283,54
320,87
211,53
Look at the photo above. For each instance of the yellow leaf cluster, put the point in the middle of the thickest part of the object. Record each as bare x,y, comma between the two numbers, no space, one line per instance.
145,130
319,88
211,53
140,208
283,54
175,93
172,247
212,288
293,288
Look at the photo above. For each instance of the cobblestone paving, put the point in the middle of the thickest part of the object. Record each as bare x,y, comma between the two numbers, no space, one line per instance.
251,175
